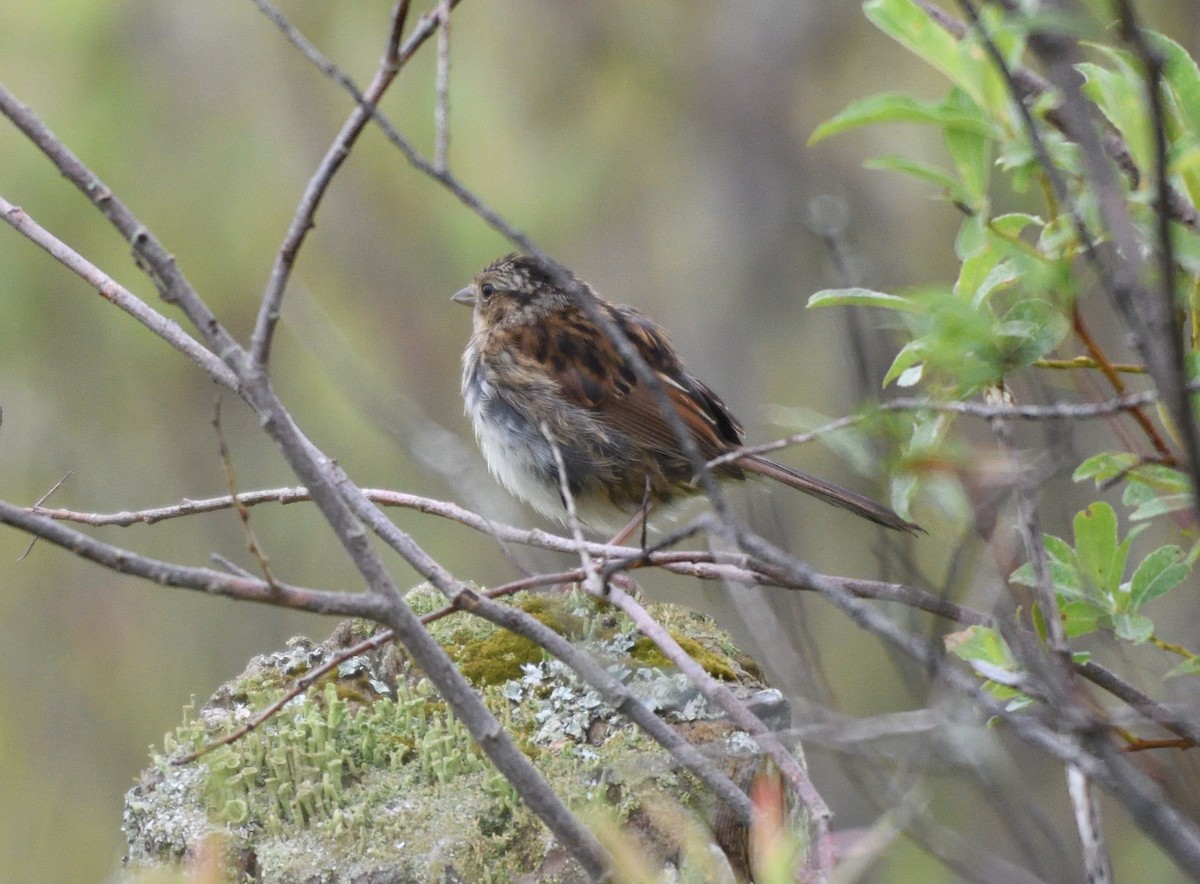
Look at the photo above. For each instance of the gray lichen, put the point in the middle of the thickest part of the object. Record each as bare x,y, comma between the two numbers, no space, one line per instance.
369,777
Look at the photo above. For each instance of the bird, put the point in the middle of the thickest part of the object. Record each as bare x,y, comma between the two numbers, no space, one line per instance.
540,373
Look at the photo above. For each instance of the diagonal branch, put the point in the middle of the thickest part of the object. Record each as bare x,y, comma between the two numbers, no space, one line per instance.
339,150
251,589
167,329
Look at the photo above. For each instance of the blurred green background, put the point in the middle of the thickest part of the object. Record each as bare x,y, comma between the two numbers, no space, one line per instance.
656,148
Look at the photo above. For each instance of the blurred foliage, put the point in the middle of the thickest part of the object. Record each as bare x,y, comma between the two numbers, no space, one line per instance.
658,149
1020,289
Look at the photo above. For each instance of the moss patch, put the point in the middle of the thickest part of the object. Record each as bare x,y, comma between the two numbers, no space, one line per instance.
368,775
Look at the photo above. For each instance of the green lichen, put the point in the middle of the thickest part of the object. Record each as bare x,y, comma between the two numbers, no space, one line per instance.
717,665
328,787
497,658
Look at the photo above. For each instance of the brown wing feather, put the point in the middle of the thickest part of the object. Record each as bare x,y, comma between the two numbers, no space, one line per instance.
583,364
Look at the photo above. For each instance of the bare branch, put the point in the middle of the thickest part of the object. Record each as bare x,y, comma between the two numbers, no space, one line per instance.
1091,832
148,252
441,113
252,545
302,220
167,329
720,695
733,567
249,589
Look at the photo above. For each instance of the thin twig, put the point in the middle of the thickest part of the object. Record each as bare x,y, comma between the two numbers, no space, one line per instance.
41,500
162,327
303,218
592,580
252,545
726,566
1091,830
441,113
720,695
1031,86
1110,372
124,561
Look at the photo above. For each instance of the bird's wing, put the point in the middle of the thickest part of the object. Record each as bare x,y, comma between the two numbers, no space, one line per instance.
593,375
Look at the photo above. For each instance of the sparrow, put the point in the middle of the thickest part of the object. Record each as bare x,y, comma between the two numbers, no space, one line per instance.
540,373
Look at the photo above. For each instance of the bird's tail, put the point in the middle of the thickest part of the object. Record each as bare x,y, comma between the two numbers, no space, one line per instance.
828,492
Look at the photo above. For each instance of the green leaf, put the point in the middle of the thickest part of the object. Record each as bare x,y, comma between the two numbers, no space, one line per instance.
1058,239
904,487
1166,480
1191,666
911,376
928,433
939,178
988,654
981,644
972,238
972,154
1120,96
910,354
1019,702
1008,34
1103,467
912,28
1064,571
1000,276
1182,79
1184,241
1030,330
977,264
1101,557
1081,616
1060,550
1023,575
1152,489
860,297
1012,223
1182,75
1160,505
1134,628
893,107
1158,573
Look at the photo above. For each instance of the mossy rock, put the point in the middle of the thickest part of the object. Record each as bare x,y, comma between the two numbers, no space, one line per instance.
368,777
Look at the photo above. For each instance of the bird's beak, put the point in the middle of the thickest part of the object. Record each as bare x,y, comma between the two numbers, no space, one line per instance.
466,296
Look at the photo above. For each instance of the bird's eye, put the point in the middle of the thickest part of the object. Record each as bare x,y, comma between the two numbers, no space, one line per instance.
487,290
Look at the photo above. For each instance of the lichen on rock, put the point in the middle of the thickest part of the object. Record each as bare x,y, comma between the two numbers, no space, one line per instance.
368,776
